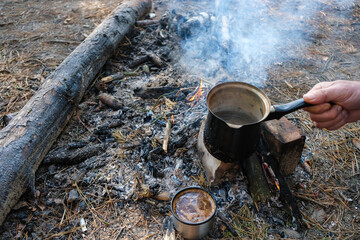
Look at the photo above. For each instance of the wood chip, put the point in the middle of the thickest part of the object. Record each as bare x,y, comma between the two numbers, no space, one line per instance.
356,142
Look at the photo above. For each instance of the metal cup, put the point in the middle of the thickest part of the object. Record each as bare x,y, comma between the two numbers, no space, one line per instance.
192,230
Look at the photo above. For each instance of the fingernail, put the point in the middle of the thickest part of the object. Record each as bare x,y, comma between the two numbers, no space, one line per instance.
310,96
338,108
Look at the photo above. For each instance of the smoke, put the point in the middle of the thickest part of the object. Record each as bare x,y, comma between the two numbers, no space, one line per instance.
240,40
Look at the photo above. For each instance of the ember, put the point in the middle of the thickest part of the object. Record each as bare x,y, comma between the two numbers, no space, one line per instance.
198,93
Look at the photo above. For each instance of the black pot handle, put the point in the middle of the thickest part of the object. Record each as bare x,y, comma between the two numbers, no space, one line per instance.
279,111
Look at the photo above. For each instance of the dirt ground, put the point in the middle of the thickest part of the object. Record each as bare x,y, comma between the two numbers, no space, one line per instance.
117,190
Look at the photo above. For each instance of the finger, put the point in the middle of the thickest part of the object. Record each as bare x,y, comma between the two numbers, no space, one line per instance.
336,126
326,116
320,108
335,123
354,116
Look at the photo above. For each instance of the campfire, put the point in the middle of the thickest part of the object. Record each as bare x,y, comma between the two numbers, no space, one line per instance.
138,135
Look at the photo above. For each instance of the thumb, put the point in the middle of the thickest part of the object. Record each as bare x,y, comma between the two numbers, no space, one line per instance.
322,93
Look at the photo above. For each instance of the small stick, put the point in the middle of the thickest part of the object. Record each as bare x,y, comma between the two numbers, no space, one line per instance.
169,229
356,162
112,77
166,136
155,59
147,22
110,101
228,223
138,61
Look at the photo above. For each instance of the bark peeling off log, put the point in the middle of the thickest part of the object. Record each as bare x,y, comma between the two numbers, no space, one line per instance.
29,136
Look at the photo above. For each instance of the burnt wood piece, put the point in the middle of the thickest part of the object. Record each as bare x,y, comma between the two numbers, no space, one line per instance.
142,59
138,61
154,92
142,23
110,101
285,193
167,136
29,136
227,220
156,60
285,142
169,229
216,171
116,76
68,156
258,186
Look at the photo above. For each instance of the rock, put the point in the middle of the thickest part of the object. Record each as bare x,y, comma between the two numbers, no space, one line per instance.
29,227
82,205
21,215
319,215
292,234
73,195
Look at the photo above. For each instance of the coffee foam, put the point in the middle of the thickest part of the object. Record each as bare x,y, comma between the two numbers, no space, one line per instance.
193,206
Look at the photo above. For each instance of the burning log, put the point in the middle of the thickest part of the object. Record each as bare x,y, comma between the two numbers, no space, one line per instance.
216,170
285,193
29,136
258,187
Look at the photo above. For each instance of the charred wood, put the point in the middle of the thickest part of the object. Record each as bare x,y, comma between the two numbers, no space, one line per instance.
156,60
70,156
112,124
167,136
184,137
285,142
142,23
258,186
138,61
285,192
228,222
110,101
169,229
29,136
154,92
113,77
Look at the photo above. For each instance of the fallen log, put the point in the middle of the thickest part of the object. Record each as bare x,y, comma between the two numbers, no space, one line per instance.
28,137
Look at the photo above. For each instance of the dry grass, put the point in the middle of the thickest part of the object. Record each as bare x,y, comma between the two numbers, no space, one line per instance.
35,37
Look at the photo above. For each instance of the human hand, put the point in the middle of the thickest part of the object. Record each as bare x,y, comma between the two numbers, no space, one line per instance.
344,107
